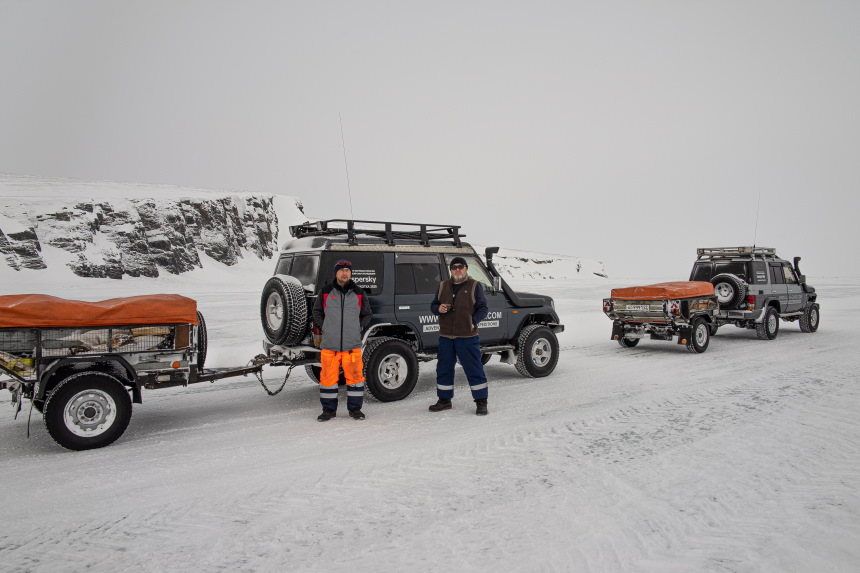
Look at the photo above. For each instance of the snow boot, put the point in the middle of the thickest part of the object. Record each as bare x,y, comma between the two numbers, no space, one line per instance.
441,405
481,409
357,415
326,415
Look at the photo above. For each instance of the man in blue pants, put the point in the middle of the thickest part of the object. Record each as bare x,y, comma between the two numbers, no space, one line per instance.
460,304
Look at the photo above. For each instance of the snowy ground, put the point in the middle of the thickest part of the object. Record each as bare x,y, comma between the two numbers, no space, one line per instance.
745,458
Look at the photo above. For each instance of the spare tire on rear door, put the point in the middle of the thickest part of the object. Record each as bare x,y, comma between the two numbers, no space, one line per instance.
284,310
731,290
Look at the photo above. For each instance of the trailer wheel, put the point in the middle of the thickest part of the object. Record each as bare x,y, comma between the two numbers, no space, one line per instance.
768,328
87,410
809,318
731,290
390,369
284,310
537,351
627,342
202,342
700,336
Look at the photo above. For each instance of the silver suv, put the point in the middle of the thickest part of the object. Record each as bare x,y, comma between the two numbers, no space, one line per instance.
755,288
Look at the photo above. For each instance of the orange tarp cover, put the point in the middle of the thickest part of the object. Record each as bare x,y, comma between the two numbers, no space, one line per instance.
664,291
41,310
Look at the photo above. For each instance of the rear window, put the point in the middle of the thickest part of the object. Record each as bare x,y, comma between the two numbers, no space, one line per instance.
702,272
737,268
759,275
305,269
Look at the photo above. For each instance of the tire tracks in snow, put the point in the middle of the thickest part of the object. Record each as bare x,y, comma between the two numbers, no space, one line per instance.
543,471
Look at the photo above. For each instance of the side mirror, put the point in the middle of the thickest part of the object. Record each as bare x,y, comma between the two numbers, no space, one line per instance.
497,284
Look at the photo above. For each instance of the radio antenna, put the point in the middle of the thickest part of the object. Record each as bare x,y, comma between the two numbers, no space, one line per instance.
346,166
755,234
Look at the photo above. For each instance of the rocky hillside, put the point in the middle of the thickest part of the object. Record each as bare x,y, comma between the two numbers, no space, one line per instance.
116,230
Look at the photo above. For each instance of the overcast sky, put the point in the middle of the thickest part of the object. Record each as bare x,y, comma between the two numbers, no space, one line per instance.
627,132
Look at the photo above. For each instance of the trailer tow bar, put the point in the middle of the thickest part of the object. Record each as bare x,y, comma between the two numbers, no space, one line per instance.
261,359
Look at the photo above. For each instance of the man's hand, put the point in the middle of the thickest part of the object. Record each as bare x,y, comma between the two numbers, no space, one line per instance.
443,308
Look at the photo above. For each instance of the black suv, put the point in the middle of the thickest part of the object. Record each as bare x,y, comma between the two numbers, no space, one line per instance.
755,288
400,266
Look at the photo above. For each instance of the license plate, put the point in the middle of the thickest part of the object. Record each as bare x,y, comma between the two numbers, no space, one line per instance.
644,307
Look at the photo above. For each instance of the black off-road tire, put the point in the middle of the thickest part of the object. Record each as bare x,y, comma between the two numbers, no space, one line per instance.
88,410
810,317
700,336
768,328
731,290
537,351
390,369
284,310
202,342
627,342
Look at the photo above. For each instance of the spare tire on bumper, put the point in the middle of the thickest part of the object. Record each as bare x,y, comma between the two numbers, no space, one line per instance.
284,310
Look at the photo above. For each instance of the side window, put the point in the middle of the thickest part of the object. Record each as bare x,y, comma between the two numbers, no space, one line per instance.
788,273
476,270
702,272
367,269
417,273
776,276
305,269
759,275
283,267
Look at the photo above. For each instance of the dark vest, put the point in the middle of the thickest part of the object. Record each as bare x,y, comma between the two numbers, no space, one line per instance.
457,324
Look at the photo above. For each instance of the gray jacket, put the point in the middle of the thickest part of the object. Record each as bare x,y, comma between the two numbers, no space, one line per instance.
342,313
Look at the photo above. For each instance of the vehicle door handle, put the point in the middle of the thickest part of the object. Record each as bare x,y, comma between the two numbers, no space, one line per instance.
403,307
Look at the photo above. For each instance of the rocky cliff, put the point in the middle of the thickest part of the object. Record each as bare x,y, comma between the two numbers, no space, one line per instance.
119,230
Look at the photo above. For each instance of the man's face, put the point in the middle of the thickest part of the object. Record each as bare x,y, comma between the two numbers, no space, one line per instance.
343,275
459,273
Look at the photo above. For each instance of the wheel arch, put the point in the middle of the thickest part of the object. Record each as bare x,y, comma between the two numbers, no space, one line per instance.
114,365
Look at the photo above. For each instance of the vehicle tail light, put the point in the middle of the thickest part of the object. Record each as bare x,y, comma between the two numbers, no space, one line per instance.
751,302
674,307
607,305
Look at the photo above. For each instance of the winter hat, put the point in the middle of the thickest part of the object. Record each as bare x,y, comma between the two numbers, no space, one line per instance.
342,264
458,261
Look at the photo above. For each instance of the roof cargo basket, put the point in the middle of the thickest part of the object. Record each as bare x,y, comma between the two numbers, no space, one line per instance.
388,230
735,251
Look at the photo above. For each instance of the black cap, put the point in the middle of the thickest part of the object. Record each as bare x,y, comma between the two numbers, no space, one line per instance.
458,261
342,264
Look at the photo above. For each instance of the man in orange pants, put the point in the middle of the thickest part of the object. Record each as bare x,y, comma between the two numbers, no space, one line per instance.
341,312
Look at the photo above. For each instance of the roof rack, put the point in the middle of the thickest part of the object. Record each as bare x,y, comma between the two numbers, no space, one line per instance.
735,251
389,231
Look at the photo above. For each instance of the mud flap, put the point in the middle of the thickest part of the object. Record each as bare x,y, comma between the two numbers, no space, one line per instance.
617,331
684,334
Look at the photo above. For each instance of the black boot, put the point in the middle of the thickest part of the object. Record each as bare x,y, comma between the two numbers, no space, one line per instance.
357,415
442,404
481,409
326,415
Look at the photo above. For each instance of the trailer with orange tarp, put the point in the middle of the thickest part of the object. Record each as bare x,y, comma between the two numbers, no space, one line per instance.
83,364
684,309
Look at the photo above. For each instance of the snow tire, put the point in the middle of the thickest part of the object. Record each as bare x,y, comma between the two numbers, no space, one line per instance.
537,351
700,336
284,310
88,410
731,290
768,328
810,317
390,369
202,342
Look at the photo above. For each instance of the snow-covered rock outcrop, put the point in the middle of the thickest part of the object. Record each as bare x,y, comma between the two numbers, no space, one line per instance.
115,229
